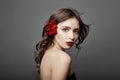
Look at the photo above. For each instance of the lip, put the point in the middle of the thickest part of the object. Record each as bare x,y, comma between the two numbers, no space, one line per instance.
69,43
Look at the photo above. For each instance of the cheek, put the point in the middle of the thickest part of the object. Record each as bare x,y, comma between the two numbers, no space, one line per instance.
61,36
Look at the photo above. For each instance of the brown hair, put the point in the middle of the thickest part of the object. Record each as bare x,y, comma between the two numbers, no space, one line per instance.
59,16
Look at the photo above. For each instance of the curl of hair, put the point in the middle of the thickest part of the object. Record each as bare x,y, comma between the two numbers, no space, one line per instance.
59,16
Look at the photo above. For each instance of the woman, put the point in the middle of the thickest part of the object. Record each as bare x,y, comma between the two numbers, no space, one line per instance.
61,31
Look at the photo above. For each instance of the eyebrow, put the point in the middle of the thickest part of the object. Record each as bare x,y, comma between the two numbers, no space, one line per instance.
66,26
70,27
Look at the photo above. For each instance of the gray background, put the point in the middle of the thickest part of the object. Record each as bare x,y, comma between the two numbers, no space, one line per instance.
21,23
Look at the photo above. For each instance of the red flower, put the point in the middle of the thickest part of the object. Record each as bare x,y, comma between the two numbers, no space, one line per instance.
51,28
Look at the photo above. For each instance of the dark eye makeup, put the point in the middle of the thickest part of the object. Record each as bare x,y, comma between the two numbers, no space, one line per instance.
66,28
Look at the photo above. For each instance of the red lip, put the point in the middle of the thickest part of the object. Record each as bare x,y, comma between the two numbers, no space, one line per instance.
69,43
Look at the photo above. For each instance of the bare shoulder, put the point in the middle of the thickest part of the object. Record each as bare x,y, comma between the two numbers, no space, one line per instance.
61,66
64,57
59,56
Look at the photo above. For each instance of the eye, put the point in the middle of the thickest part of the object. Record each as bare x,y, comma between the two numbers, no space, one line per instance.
76,31
65,29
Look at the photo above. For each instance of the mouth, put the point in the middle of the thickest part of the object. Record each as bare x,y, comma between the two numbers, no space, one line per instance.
69,43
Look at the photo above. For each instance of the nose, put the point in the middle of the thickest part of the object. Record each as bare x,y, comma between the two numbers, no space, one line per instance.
72,36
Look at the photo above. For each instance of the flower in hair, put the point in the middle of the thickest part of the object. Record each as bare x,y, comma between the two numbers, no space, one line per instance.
51,28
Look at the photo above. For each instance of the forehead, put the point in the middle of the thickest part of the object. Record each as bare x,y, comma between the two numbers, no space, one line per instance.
72,23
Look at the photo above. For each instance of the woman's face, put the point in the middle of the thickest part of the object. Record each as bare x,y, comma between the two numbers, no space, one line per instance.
67,33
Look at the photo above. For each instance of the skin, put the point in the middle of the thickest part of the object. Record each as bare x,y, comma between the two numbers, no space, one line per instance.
56,62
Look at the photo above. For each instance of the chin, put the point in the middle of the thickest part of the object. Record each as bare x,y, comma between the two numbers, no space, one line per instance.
67,47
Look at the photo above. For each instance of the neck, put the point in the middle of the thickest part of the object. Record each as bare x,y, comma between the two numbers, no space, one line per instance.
56,46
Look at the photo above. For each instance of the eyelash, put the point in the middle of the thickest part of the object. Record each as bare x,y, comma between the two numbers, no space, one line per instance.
65,30
77,32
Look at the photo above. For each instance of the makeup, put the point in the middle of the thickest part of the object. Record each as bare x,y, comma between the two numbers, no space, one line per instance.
69,43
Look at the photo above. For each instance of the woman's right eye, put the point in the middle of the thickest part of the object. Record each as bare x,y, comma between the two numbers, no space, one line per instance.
65,29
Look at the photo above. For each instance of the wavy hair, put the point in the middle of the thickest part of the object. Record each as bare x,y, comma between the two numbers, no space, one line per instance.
59,16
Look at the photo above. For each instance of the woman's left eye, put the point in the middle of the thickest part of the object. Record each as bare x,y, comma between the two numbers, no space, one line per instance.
76,31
